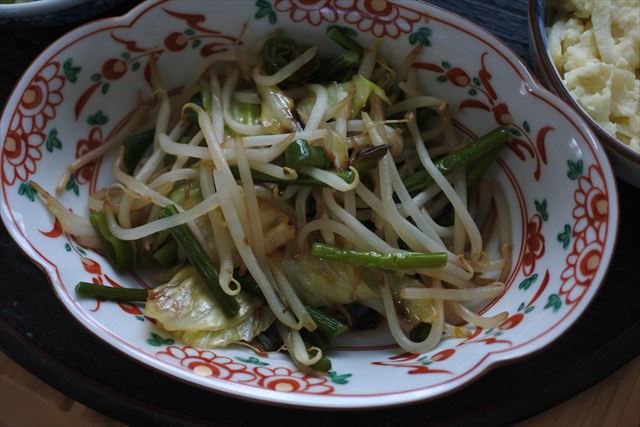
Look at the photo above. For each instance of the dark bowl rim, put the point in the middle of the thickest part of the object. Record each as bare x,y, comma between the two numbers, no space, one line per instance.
553,77
35,9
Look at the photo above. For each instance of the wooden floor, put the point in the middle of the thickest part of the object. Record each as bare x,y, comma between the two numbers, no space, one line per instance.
25,401
615,401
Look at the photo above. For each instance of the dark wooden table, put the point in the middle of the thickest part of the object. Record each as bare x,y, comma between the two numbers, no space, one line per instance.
37,332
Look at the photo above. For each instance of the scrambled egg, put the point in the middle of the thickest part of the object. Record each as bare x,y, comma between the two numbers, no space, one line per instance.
595,45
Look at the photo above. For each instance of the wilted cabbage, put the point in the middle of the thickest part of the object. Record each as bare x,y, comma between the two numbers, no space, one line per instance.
186,307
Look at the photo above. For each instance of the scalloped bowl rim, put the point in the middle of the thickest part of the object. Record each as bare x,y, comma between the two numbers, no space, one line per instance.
490,359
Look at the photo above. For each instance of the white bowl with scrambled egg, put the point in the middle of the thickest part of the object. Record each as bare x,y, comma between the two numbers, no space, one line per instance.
588,51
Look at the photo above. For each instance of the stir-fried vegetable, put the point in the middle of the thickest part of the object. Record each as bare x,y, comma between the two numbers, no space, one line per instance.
186,303
300,154
373,259
477,169
280,51
327,325
167,254
453,161
287,197
338,69
191,115
119,253
91,290
315,339
268,340
422,117
302,179
420,332
360,87
363,90
246,113
326,284
368,158
244,331
322,365
340,35
135,146
202,263
183,194
276,114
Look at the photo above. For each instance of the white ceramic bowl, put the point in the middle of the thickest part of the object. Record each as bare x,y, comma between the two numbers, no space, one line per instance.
560,188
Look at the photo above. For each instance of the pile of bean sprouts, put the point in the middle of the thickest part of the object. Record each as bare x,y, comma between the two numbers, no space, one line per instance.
247,225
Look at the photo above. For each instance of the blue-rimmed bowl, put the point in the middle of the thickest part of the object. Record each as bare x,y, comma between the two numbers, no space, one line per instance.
626,162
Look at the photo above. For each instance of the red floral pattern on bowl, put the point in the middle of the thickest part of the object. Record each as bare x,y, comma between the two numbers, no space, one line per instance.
206,363
285,379
535,244
21,152
380,17
39,101
315,12
591,214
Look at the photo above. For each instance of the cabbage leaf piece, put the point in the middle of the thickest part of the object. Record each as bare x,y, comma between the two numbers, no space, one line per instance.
252,326
323,284
362,90
276,110
414,311
245,113
186,304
